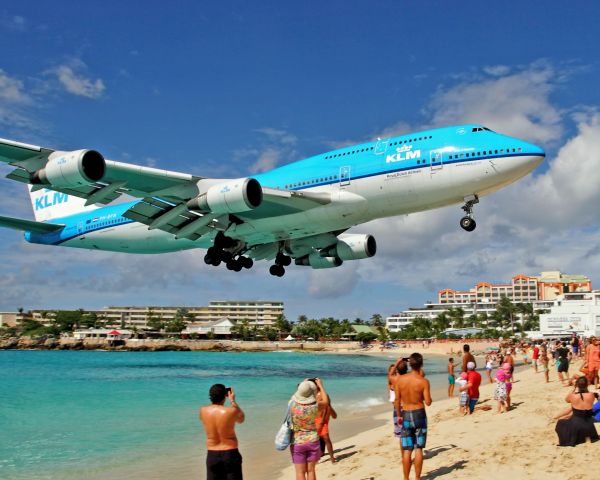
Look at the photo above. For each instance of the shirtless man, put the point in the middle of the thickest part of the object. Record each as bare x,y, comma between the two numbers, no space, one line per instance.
412,394
467,357
223,460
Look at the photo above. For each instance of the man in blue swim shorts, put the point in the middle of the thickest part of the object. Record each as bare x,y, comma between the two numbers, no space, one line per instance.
412,394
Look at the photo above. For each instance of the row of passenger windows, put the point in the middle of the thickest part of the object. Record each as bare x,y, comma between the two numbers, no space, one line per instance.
485,152
311,182
352,152
410,140
102,224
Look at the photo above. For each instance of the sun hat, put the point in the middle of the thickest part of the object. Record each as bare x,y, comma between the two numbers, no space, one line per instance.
471,366
305,393
506,366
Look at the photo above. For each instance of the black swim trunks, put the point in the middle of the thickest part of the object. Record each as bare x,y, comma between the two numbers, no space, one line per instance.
224,465
414,429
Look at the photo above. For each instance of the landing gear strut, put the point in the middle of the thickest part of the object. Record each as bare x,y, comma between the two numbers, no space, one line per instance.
281,261
468,222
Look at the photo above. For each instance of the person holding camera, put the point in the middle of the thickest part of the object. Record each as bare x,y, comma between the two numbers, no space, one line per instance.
223,459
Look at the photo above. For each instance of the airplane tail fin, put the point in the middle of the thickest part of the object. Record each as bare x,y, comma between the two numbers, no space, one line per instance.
49,204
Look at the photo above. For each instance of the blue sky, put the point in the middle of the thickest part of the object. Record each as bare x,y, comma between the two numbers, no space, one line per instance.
229,89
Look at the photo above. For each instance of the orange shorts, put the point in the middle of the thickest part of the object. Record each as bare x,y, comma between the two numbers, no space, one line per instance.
322,429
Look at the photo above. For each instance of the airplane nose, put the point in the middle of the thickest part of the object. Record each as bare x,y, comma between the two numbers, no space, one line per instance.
536,151
535,155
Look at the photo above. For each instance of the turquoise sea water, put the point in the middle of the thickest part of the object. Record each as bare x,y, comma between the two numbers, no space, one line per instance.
91,414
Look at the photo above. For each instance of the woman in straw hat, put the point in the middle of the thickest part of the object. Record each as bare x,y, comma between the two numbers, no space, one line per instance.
305,447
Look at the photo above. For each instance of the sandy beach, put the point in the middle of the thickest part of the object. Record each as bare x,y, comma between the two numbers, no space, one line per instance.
519,444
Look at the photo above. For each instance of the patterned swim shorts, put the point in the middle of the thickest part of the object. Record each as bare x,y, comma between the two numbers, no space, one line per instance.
414,429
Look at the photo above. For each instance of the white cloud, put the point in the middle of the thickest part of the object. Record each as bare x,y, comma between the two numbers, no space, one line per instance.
497,70
278,136
516,104
74,81
267,160
12,90
277,147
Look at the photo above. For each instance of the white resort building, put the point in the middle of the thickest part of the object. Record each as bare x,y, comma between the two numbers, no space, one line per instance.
540,291
573,313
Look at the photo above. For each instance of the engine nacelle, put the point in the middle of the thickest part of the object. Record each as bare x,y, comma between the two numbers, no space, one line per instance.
315,260
71,169
352,247
233,196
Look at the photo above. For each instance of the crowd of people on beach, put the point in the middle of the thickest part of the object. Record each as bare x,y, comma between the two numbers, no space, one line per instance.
310,410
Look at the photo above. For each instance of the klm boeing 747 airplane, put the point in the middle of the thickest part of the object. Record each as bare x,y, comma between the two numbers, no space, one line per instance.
299,212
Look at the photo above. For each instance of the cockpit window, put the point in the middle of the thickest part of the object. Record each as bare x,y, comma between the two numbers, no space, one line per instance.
481,129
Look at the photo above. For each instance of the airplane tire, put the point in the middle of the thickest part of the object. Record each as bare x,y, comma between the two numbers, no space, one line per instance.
208,259
468,224
276,270
216,262
247,262
283,260
237,265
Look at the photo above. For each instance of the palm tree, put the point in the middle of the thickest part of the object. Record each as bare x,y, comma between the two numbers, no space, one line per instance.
441,322
457,316
377,320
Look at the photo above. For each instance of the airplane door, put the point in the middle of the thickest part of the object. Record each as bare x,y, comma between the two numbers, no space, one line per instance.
345,176
80,228
381,147
436,160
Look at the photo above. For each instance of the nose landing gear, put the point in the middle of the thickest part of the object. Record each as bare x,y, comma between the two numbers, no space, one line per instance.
468,222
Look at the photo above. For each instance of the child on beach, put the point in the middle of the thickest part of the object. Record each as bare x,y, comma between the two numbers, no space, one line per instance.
500,394
489,366
544,362
508,378
463,399
451,377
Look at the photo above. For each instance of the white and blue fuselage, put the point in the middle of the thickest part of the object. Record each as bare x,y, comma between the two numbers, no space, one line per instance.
393,176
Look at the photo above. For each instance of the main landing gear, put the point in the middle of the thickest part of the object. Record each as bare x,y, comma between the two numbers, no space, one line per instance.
217,254
468,222
281,261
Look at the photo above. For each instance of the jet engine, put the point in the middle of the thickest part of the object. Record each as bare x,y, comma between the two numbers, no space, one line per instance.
71,169
351,247
315,260
233,196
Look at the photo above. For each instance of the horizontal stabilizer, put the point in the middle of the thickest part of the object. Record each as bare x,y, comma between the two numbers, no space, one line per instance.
29,225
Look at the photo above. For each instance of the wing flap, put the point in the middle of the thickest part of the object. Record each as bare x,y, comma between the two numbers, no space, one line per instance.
29,225
150,209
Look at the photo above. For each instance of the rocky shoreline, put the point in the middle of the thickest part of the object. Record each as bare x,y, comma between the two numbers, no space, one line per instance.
159,345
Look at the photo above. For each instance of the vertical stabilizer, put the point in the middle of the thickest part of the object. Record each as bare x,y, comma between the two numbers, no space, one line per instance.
49,204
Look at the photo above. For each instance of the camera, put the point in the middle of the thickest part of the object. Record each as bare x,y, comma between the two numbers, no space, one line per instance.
227,390
314,380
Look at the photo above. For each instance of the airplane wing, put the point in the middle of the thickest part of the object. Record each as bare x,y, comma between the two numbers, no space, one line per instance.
29,226
118,178
165,195
183,223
